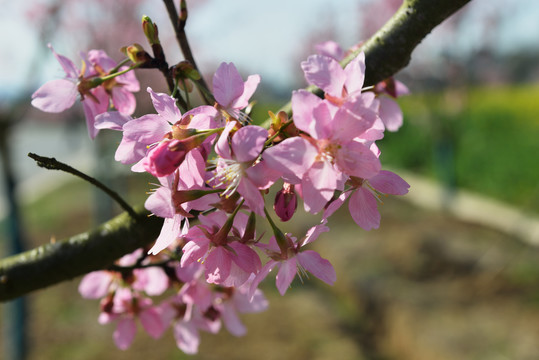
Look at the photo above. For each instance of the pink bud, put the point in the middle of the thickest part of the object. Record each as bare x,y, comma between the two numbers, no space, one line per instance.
286,202
165,158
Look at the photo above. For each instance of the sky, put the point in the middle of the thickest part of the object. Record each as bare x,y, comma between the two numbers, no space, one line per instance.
265,37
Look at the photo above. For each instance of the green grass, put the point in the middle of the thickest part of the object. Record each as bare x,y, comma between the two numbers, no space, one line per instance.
484,140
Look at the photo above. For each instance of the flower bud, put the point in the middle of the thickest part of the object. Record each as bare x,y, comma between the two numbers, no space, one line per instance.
150,30
183,11
286,202
163,159
135,53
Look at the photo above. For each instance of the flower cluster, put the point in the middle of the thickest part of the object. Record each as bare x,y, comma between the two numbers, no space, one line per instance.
214,170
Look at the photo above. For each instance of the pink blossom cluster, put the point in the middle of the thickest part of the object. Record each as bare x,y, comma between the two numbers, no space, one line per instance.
215,170
87,82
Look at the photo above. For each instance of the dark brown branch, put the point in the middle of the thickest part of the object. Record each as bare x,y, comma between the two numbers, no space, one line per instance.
64,260
390,49
178,23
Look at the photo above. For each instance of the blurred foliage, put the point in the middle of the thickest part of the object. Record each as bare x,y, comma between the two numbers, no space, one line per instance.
480,139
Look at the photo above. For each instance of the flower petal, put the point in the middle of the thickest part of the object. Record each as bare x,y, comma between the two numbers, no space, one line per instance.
165,105
95,285
356,159
217,265
292,157
390,113
326,73
303,103
286,274
123,100
249,87
55,96
187,337
227,85
112,120
151,322
355,75
247,142
125,333
364,209
318,266
389,183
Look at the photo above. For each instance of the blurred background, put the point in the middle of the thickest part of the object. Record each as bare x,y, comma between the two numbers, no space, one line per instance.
453,271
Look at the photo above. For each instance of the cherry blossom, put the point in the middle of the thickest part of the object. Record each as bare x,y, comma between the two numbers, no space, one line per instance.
365,194
295,261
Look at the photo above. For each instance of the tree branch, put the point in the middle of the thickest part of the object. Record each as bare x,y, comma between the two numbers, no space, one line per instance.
387,52
64,260
53,164
178,23
390,49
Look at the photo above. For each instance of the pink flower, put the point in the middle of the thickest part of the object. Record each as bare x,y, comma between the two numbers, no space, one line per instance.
98,284
387,90
295,261
340,85
322,162
364,195
187,320
330,49
226,260
390,112
123,310
236,301
236,167
230,91
58,95
166,201
121,88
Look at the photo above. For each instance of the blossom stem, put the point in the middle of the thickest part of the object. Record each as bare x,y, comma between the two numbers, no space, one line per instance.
120,64
221,237
113,75
279,235
186,93
179,29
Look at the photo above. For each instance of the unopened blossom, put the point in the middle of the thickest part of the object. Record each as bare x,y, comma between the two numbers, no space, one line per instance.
365,194
286,202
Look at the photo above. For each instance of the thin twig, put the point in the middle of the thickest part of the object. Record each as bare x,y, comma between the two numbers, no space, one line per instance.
179,29
53,164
